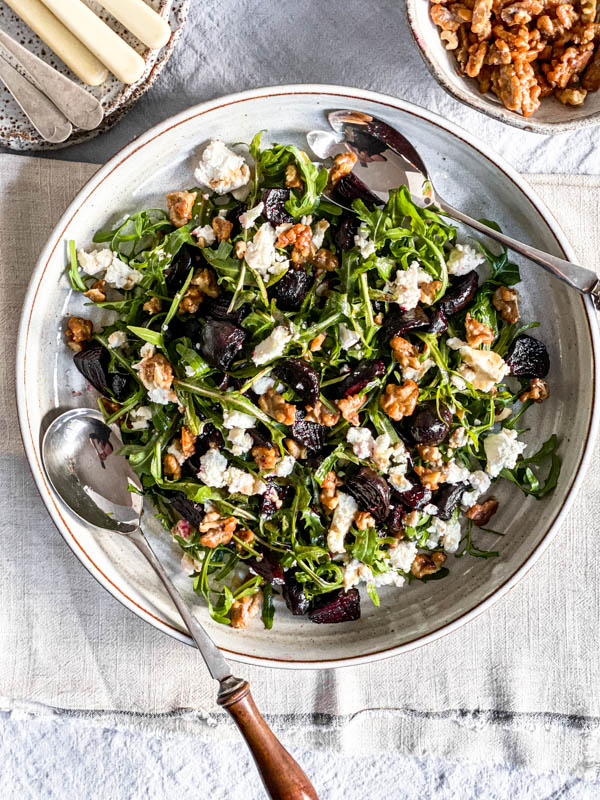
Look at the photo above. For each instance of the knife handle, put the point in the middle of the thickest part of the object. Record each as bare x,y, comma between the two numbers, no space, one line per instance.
282,776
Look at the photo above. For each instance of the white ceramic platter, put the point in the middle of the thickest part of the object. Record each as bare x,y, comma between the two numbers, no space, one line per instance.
117,99
467,173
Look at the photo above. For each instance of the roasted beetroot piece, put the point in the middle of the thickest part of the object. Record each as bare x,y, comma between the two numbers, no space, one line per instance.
429,423
179,268
414,498
220,342
448,498
193,512
397,323
528,357
356,380
310,434
291,289
439,323
300,377
394,519
93,363
337,606
268,567
272,499
371,492
350,188
293,594
218,308
347,230
274,206
459,294
233,215
119,384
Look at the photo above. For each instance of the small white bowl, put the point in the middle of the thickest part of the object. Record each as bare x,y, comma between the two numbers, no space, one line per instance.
553,117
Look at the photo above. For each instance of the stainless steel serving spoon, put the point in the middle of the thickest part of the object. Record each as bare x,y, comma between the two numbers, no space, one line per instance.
387,160
80,455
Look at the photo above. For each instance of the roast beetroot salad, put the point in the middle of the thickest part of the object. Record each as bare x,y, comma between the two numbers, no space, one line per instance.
312,398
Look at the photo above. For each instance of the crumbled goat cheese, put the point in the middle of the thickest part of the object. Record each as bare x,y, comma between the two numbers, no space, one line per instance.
502,451
458,438
390,578
241,442
147,351
284,468
190,371
364,244
454,343
431,509
261,254
405,288
410,374
221,169
140,417
213,466
355,572
362,442
238,419
318,232
262,385
385,453
482,368
174,449
120,276
458,382
455,473
271,347
189,565
341,522
480,483
117,339
348,338
464,258
248,218
96,261
240,482
402,556
205,232
398,478
447,533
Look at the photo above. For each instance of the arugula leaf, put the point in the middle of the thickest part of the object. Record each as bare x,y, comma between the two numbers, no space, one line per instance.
526,478
75,278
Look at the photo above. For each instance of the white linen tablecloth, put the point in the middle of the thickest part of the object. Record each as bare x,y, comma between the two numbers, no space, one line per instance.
517,686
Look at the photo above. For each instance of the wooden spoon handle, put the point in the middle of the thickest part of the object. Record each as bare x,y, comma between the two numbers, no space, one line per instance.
282,776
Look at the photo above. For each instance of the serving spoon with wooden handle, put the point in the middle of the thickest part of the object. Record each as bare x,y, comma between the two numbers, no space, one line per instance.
80,456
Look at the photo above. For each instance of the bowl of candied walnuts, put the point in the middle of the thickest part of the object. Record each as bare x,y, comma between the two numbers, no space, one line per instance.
534,64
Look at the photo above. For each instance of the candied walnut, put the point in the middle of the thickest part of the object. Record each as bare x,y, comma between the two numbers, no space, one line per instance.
325,259
97,293
349,407
571,97
477,54
517,40
431,477
506,301
295,449
538,391
429,291
245,536
450,19
399,401
206,281
299,235
572,61
152,306
273,404
216,529
322,415
328,495
588,10
566,15
156,371
516,85
429,453
317,342
343,164
481,19
78,330
240,249
427,563
405,353
521,13
378,319
450,40
222,228
265,457
590,79
477,332
171,467
481,513
363,520
293,179
109,406
191,300
244,609
484,79
179,205
498,53
188,441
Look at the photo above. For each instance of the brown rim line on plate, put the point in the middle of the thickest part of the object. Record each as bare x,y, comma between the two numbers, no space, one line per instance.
117,98
31,435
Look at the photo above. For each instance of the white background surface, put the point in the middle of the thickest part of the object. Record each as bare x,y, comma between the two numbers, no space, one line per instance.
231,45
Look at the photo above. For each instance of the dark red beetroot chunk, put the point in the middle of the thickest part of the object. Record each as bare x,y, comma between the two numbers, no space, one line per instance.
397,323
220,342
93,363
350,188
448,498
193,512
293,594
218,308
268,568
415,498
459,294
394,519
274,206
233,215
119,383
425,425
291,289
371,492
438,323
346,231
179,268
300,377
309,434
356,380
271,500
338,606
528,358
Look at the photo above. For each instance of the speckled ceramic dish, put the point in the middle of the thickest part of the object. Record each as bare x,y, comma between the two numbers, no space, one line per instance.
472,177
553,117
17,132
